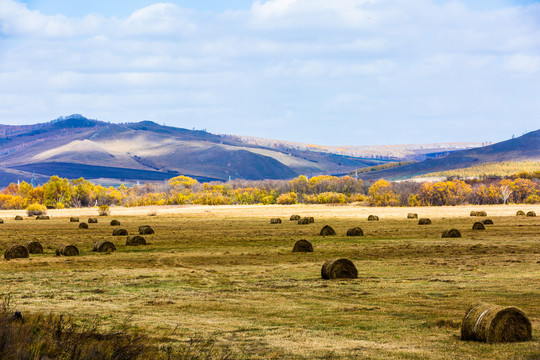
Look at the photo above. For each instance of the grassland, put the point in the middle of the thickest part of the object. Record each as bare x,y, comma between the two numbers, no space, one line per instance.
490,169
226,274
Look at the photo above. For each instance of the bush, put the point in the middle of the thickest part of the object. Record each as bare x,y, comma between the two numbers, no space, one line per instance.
287,199
104,210
36,209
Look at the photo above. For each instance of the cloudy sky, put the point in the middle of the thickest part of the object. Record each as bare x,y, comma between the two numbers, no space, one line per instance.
340,72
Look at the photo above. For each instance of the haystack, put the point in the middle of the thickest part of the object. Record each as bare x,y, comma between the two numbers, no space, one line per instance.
531,214
302,246
1,221
355,231
474,213
327,231
115,223
373,218
83,225
303,221
67,250
275,221
481,213
424,221
73,219
16,252
92,220
487,222
104,246
43,217
135,240
339,269
18,217
297,217
478,226
119,232
146,230
412,216
452,233
495,324
34,247
311,219
520,213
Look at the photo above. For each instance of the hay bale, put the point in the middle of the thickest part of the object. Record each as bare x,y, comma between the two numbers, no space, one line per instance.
1,221
119,232
424,221
373,218
327,231
104,246
73,219
478,226
531,214
83,225
412,216
297,217
146,230
474,213
302,246
339,269
135,240
495,324
18,217
67,250
481,213
303,221
520,213
452,233
115,223
355,231
311,219
43,217
275,221
487,222
34,247
16,252
92,220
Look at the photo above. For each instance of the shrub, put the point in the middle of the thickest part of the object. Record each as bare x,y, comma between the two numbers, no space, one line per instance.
36,209
287,199
104,210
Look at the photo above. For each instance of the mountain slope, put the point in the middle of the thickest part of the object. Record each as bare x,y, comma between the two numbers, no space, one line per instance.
526,147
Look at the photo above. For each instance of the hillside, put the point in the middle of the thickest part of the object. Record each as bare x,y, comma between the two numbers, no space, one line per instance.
75,146
526,147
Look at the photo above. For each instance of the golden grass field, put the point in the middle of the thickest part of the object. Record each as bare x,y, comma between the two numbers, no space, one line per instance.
226,274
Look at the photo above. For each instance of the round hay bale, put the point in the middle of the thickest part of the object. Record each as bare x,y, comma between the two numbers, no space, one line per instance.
373,218
92,220
297,217
1,221
412,216
302,246
18,217
495,324
135,240
43,217
452,233
327,231
478,226
67,250
104,246
73,219
275,221
83,225
520,213
474,213
119,232
531,214
146,230
424,221
303,221
339,269
16,252
487,222
311,219
481,213
34,247
355,231
115,223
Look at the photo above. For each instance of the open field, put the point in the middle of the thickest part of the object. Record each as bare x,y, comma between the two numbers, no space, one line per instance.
226,274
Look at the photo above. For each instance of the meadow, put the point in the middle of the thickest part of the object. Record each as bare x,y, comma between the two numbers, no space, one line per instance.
225,276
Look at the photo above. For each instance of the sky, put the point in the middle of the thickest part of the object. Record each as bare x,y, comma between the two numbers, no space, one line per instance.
340,72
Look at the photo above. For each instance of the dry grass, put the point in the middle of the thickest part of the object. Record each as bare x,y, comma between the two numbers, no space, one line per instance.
227,275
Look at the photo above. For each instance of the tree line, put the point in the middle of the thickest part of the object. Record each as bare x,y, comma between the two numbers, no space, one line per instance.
61,193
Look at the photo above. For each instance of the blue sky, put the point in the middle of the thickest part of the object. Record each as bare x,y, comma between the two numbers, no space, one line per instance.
345,72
